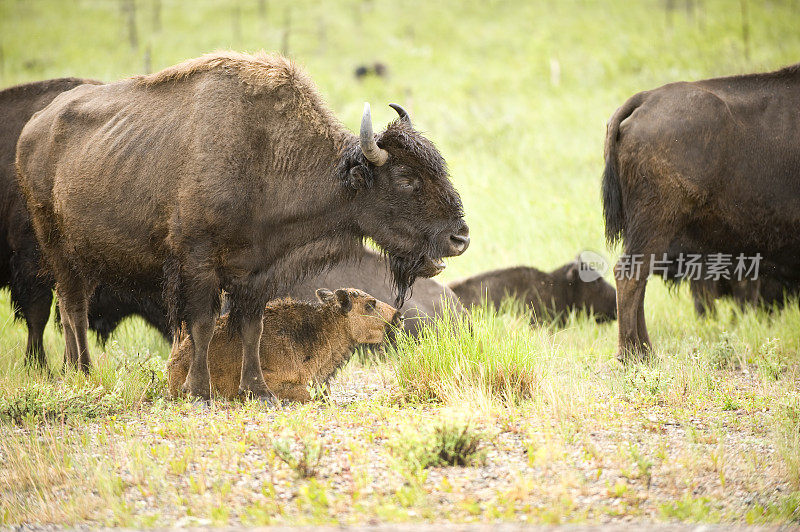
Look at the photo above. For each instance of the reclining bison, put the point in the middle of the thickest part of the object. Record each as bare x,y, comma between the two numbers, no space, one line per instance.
710,166
225,172
549,296
20,267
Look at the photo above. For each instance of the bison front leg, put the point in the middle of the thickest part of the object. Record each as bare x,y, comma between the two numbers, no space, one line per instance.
70,346
73,300
251,383
198,379
634,343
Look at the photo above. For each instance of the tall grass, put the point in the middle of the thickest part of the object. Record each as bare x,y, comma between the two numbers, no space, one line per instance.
492,354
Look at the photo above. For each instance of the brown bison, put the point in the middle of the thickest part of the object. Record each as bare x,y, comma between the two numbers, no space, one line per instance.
302,344
225,172
20,265
710,166
550,296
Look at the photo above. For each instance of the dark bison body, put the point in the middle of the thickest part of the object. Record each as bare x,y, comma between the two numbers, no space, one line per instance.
108,307
551,296
20,265
710,166
225,172
367,271
764,292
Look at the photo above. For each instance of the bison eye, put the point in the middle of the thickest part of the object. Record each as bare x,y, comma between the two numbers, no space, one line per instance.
405,182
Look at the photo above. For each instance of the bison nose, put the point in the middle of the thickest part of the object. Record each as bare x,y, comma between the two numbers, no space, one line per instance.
459,242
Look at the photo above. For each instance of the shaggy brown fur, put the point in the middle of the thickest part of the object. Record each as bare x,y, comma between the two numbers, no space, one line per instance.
551,296
710,166
302,344
225,172
20,264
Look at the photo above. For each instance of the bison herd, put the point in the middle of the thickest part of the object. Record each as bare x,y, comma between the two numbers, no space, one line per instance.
224,185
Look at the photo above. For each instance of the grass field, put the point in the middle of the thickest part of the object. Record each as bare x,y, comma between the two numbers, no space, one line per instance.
544,425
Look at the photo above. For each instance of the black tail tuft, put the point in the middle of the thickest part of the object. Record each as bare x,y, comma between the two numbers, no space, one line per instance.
612,204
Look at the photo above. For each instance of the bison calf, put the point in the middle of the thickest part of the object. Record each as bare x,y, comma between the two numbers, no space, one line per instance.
302,343
549,295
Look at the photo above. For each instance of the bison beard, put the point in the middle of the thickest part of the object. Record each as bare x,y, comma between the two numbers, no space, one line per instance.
404,272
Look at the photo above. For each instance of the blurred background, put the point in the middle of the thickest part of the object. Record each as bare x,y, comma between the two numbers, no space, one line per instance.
515,93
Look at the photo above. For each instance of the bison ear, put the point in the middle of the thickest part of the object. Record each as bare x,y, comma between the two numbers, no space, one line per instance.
344,300
572,273
358,177
324,295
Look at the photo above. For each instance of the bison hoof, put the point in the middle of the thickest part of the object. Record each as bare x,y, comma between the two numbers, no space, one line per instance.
633,354
197,392
263,395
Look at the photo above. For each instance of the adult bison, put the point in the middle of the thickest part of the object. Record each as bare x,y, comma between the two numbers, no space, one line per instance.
224,172
20,268
709,166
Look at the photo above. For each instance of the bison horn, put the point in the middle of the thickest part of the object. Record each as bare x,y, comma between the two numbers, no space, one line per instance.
400,111
369,147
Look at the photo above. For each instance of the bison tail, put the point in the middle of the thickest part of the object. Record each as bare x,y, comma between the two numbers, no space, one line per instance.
613,204
613,214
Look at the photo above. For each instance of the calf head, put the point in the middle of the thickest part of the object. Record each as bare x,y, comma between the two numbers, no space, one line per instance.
368,320
587,290
404,200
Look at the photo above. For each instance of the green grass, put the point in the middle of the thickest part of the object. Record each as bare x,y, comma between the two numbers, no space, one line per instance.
516,95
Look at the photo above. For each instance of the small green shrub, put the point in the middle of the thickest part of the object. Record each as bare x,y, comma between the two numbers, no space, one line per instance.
690,509
305,460
445,445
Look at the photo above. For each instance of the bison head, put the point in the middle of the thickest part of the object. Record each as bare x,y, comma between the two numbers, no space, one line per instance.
404,199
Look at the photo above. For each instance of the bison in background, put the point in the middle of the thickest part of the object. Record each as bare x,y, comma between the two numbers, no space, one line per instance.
20,265
550,296
225,172
764,292
713,163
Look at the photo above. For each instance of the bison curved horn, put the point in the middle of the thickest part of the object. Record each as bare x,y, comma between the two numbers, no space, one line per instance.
369,147
400,111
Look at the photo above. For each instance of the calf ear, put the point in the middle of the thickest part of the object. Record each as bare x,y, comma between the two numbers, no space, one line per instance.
324,295
344,300
358,177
